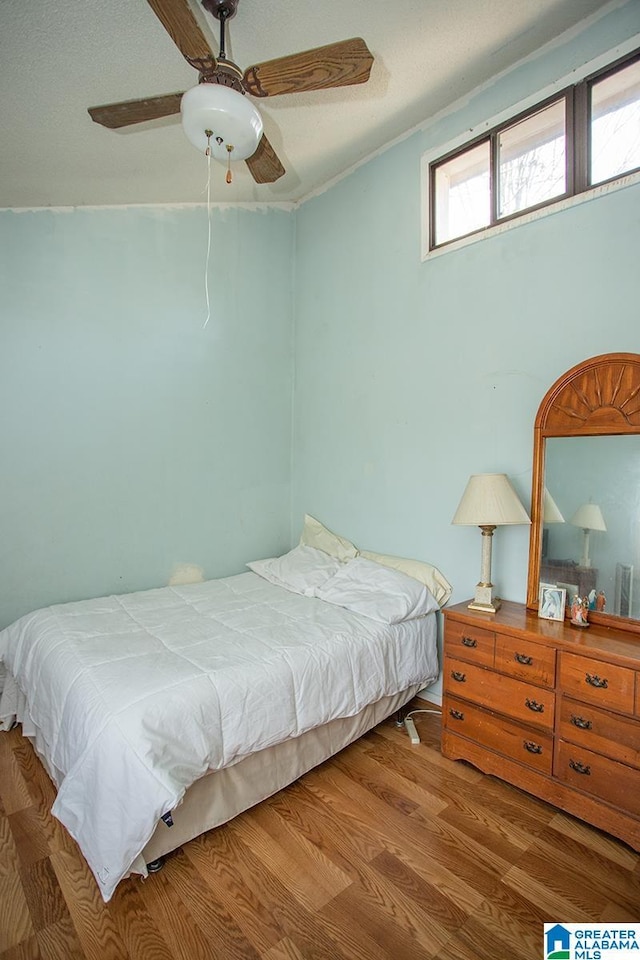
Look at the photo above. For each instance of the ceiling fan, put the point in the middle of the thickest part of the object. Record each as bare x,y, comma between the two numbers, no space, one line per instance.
335,65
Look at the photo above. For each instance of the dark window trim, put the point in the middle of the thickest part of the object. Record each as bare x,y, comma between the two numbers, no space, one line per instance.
577,99
589,82
469,145
564,94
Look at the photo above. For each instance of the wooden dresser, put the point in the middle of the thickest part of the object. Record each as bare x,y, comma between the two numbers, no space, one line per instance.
550,708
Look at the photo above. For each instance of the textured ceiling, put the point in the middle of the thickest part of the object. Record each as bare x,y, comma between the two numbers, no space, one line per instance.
60,56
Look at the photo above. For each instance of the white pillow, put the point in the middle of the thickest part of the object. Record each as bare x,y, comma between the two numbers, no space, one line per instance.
314,534
426,573
301,570
378,592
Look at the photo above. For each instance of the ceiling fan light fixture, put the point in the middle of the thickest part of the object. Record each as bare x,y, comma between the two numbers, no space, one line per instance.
232,120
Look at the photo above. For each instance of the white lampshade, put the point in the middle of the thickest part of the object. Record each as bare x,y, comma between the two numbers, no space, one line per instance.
550,511
490,500
230,116
589,517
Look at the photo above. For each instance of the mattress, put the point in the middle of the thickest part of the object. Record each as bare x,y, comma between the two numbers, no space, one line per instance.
132,699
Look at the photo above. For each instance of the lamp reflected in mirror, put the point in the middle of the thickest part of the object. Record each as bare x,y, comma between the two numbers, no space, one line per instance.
550,514
588,517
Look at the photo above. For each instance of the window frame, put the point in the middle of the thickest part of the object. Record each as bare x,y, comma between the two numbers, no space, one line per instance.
577,98
589,82
469,145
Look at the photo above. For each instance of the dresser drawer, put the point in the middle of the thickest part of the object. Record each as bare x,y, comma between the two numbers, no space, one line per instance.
607,733
505,695
526,660
533,748
597,682
470,643
603,778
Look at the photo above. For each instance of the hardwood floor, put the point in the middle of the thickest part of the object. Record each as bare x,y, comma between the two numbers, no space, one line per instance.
386,852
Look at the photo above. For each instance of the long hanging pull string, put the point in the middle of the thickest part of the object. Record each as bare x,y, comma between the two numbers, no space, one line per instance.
206,269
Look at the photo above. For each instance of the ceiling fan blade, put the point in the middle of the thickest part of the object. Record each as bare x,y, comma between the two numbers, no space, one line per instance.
264,165
336,65
115,115
180,23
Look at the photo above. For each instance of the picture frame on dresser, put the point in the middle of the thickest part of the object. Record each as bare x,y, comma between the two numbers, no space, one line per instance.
552,603
549,708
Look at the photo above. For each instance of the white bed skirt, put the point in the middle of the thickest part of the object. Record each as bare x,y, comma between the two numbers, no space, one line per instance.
222,794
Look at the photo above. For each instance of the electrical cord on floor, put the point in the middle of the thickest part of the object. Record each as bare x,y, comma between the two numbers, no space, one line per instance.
410,726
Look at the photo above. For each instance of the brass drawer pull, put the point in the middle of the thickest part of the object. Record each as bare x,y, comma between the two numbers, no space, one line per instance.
522,658
469,642
583,768
532,747
595,681
580,723
458,676
535,706
456,714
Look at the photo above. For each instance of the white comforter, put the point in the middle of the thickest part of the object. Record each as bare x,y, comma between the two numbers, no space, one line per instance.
135,697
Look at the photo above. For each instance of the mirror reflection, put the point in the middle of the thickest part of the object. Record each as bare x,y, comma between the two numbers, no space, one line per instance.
591,531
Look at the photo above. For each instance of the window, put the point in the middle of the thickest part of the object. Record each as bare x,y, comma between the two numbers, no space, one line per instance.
615,124
532,165
583,136
463,198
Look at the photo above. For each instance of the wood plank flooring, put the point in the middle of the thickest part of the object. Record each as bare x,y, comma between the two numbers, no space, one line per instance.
386,852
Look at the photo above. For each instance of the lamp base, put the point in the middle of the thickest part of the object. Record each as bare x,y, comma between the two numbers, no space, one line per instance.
484,599
486,607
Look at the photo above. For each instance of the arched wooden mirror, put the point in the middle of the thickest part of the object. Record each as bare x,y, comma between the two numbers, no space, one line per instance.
585,503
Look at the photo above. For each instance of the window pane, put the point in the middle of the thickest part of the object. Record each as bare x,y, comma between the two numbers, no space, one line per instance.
615,124
462,197
532,160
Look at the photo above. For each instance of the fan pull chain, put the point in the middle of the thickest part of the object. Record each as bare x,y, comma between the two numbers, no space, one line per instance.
208,257
229,177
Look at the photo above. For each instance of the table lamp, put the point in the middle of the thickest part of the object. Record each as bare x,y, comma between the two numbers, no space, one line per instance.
588,517
489,501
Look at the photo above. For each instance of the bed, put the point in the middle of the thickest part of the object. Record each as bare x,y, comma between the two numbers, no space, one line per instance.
164,713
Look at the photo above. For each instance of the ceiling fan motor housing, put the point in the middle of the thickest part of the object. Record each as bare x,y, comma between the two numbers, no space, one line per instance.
226,73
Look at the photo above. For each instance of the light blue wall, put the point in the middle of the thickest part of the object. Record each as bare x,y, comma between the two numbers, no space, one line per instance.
132,439
410,376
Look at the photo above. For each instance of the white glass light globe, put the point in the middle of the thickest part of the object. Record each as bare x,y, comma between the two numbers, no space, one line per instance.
232,119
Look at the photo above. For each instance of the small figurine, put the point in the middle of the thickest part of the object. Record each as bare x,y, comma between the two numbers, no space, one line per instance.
592,599
575,608
580,611
585,611
601,601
